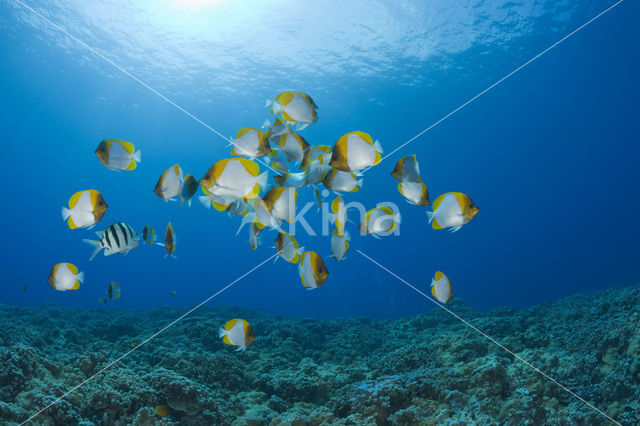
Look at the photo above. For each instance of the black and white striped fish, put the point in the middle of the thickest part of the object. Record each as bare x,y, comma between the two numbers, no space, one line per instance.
117,238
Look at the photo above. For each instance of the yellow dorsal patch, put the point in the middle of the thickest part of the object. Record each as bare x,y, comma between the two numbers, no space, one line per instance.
433,292
438,275
243,131
128,146
229,324
250,166
74,199
73,268
435,224
400,186
286,97
387,210
364,136
463,199
437,202
75,286
226,340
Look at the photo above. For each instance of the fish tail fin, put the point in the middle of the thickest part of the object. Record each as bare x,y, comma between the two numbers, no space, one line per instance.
221,332
137,156
266,124
97,247
359,183
301,126
189,202
262,179
205,201
268,103
80,277
378,147
430,216
65,213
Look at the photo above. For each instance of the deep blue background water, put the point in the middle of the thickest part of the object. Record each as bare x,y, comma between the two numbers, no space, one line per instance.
550,156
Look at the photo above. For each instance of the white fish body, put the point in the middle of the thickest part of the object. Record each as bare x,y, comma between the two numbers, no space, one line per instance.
119,158
339,244
236,181
441,288
449,213
170,183
235,335
344,181
82,213
361,154
64,278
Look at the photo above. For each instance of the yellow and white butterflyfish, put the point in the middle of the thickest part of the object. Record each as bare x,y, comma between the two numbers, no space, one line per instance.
279,127
407,169
339,244
86,208
65,276
355,151
278,161
170,183
441,288
294,180
380,220
452,210
254,234
281,202
316,171
415,193
237,332
294,147
188,190
296,107
312,270
288,248
117,154
340,181
338,215
235,177
250,142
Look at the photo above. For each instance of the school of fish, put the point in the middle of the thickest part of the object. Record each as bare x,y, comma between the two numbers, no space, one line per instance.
237,185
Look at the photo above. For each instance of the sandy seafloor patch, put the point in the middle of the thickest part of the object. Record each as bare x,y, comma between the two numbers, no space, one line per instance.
426,369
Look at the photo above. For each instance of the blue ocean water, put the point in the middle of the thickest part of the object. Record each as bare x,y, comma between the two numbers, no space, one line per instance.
549,156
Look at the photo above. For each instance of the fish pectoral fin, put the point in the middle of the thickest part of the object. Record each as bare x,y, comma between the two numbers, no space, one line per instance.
455,228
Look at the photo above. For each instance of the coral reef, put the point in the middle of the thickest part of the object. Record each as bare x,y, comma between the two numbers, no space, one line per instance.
427,369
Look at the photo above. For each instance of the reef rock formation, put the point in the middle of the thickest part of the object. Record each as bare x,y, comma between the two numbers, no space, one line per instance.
427,369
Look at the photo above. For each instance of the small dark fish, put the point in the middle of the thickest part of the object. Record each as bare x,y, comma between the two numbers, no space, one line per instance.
188,190
113,291
24,287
